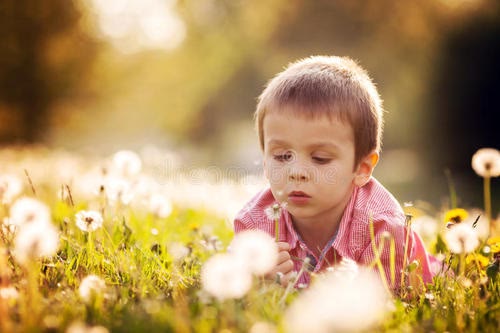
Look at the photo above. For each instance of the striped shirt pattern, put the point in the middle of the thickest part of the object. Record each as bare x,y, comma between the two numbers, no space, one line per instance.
372,202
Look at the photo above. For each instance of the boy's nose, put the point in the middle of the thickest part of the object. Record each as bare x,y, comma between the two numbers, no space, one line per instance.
297,173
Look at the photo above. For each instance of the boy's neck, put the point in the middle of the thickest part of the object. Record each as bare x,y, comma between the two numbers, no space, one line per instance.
316,234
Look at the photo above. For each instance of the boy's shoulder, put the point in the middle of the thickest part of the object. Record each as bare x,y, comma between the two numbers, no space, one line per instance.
375,201
254,210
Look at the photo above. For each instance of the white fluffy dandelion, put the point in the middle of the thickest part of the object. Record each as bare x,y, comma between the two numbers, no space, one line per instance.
91,287
26,211
462,238
35,241
337,304
10,187
88,220
127,163
160,205
486,162
256,249
224,276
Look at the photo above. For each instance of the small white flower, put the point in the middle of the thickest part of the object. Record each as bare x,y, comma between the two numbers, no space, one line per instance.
35,241
127,163
91,287
337,304
486,162
257,249
160,205
224,276
10,187
462,238
88,220
26,211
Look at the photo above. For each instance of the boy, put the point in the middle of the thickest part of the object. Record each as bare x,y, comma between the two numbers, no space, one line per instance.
319,124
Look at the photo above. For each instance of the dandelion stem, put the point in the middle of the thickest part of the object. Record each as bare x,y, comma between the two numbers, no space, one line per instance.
487,201
277,229
407,241
377,256
451,187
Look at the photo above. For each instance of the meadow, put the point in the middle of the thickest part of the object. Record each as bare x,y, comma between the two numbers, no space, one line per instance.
126,244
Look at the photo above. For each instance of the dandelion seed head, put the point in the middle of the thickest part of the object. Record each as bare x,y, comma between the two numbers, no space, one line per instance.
10,187
425,226
346,269
257,249
35,241
118,190
486,162
127,163
335,303
224,276
462,238
26,211
88,220
154,232
160,205
91,287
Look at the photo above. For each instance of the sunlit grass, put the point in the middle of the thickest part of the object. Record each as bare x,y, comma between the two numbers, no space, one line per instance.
139,269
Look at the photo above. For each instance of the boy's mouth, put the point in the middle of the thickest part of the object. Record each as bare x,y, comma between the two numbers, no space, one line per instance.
298,197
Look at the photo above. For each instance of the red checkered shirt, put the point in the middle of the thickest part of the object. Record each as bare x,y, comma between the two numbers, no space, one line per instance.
352,240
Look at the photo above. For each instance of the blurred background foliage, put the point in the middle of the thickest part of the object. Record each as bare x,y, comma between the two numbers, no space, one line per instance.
184,75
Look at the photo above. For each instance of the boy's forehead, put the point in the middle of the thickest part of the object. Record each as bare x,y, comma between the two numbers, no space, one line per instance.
320,131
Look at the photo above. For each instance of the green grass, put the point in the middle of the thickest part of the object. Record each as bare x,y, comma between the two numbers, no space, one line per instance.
150,289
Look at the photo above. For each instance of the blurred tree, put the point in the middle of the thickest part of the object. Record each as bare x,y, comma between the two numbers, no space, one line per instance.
44,58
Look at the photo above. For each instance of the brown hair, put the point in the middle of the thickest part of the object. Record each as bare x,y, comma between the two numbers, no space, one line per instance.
327,85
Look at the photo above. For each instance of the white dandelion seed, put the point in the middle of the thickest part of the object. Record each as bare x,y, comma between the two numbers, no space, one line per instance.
257,249
224,276
462,238
26,211
10,187
35,241
127,163
337,304
486,162
118,190
88,220
160,205
91,287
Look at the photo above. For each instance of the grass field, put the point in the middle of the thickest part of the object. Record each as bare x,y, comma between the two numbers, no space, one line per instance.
120,245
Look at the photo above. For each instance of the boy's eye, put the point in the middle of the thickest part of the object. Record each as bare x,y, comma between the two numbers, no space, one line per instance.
284,157
321,160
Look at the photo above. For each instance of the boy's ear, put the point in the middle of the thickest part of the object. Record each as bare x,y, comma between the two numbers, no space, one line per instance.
365,168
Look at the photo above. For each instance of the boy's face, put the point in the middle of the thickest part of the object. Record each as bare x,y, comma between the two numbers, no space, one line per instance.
310,165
